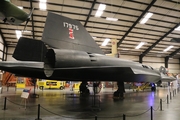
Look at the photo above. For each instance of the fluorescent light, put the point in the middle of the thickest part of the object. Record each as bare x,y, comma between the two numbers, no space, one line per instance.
140,45
148,15
42,0
146,18
94,37
105,42
168,48
98,13
102,7
18,34
26,31
42,6
111,19
20,7
178,28
125,49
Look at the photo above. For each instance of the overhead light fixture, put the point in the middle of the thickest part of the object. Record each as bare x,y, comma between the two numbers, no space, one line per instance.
168,48
140,45
42,5
94,37
146,18
20,7
18,34
98,13
100,10
178,28
148,15
105,42
26,31
111,19
125,49
102,7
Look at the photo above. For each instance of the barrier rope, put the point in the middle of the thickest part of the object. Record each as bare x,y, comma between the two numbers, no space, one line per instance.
21,104
111,117
60,115
139,114
156,108
164,100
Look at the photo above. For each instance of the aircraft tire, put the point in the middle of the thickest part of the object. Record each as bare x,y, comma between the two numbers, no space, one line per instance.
61,88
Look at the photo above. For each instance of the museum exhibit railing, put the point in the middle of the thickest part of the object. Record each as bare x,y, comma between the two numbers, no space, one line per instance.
93,116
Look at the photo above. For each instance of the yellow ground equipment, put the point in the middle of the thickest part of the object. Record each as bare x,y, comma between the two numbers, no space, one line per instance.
142,86
21,82
51,84
76,85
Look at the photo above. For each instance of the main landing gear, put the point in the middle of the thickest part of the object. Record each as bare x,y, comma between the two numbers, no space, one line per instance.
119,94
83,88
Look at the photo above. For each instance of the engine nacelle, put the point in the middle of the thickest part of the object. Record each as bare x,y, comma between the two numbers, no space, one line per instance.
62,58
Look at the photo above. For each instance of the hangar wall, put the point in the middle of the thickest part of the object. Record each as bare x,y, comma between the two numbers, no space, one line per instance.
9,54
1,48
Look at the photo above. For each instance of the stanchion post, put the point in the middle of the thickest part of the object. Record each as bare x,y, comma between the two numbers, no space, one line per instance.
170,96
99,101
173,93
38,118
5,103
124,117
95,117
167,99
151,113
160,104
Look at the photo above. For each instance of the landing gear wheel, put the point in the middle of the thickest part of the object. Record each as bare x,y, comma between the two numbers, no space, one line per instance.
61,88
41,87
118,95
84,91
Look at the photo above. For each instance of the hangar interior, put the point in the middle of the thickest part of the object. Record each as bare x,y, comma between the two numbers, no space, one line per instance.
120,20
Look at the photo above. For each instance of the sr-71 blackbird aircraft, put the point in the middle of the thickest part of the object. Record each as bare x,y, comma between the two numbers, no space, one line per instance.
11,14
73,55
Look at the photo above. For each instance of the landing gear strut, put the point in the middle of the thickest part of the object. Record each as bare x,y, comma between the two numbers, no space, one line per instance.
83,88
119,94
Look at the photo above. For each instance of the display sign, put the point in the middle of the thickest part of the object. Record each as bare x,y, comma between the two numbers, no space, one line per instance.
25,93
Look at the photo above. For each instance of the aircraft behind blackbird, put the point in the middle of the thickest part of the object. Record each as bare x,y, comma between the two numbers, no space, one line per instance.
12,14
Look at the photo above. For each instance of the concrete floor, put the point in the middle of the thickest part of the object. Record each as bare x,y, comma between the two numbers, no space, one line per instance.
68,105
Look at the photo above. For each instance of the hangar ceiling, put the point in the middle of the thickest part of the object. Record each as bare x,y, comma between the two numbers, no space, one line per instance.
156,33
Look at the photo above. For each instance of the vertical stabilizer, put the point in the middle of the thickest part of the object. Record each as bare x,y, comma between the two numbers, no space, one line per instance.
65,33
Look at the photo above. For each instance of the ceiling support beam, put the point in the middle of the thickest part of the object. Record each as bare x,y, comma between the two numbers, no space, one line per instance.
153,45
32,20
92,7
140,59
166,61
174,53
139,18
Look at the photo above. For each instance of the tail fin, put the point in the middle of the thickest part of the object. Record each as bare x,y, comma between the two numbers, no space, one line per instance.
65,33
30,50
